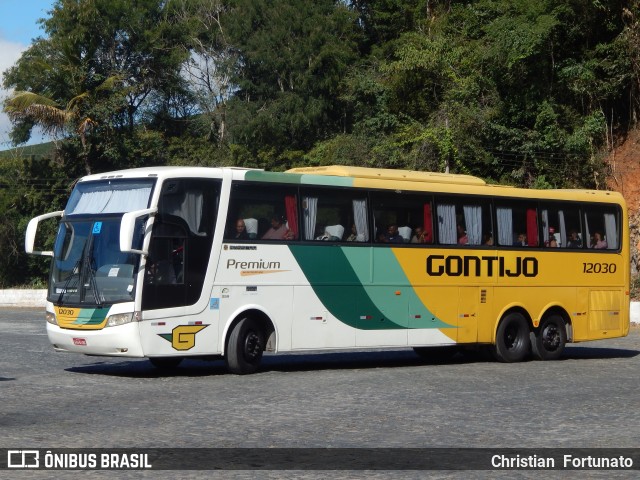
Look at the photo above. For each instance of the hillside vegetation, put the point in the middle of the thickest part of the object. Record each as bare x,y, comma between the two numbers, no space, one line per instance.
534,94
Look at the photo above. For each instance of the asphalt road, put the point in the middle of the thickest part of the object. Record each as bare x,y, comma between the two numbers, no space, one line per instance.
390,399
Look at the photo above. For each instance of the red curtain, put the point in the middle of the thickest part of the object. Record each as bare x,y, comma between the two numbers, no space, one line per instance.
292,214
532,227
428,224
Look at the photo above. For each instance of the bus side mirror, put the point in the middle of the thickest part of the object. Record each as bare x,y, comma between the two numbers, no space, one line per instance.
128,227
30,235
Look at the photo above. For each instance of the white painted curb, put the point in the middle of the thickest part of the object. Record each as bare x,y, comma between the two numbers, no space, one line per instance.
37,298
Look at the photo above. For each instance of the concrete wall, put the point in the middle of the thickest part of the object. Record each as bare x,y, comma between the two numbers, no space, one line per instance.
36,298
22,298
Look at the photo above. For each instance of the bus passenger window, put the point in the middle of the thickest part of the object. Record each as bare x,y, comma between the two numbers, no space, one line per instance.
517,224
601,228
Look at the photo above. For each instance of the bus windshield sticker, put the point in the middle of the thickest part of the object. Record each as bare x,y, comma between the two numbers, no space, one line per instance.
96,228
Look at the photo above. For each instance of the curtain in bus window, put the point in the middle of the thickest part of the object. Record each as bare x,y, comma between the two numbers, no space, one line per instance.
447,233
187,206
586,230
611,231
505,226
310,213
532,227
292,214
111,201
545,226
360,219
473,221
428,224
563,229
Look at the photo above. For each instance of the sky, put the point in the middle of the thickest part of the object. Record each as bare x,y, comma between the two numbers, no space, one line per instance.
18,26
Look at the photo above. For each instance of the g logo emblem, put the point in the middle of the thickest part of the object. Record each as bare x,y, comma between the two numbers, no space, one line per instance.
183,337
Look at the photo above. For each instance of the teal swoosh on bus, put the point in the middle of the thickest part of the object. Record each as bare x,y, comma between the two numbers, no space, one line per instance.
91,316
341,278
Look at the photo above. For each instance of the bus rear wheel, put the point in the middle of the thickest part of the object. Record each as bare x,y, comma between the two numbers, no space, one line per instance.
512,339
245,347
547,343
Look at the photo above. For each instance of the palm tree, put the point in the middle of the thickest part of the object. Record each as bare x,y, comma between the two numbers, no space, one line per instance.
53,119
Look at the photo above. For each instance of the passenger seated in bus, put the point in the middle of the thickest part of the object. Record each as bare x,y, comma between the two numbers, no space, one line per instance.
278,230
393,235
418,236
487,239
574,240
521,241
598,241
353,236
463,239
160,273
553,241
241,230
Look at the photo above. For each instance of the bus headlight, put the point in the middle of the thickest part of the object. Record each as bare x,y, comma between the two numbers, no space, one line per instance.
119,319
51,318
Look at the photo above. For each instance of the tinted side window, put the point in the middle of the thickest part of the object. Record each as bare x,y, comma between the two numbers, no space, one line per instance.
402,217
602,227
517,223
464,221
561,226
181,243
267,211
334,215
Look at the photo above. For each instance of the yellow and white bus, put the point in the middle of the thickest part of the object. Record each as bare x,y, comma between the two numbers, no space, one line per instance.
176,262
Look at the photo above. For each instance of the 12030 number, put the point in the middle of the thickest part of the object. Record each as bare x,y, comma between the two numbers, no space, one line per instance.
599,267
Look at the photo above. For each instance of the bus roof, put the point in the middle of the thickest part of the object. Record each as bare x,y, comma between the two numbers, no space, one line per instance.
389,174
385,178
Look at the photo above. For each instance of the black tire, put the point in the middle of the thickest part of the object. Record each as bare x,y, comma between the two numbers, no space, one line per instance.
512,339
165,363
245,347
548,341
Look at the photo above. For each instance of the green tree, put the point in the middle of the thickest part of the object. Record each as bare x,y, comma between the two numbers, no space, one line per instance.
89,42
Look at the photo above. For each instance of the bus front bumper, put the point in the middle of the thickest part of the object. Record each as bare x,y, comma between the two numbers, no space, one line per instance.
120,341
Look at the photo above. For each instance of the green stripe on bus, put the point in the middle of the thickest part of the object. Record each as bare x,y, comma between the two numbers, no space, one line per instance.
339,277
297,178
91,316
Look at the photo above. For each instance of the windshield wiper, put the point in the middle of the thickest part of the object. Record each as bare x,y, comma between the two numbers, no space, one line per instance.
67,283
87,271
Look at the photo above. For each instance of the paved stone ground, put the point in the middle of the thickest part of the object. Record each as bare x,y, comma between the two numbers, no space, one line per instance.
363,399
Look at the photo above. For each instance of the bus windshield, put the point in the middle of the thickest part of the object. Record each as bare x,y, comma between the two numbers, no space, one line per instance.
88,266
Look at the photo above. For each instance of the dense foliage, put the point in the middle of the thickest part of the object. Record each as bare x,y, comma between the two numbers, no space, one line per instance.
527,93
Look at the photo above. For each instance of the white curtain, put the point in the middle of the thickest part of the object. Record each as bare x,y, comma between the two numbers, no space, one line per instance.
586,230
360,219
545,227
310,212
505,226
447,233
563,229
110,201
610,230
473,222
187,206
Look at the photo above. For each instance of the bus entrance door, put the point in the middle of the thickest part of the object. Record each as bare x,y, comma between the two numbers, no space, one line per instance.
469,301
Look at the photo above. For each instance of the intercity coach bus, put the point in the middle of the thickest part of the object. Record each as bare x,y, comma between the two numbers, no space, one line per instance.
176,262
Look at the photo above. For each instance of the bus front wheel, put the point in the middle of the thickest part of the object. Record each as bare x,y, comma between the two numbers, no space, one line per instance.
245,347
512,338
548,342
